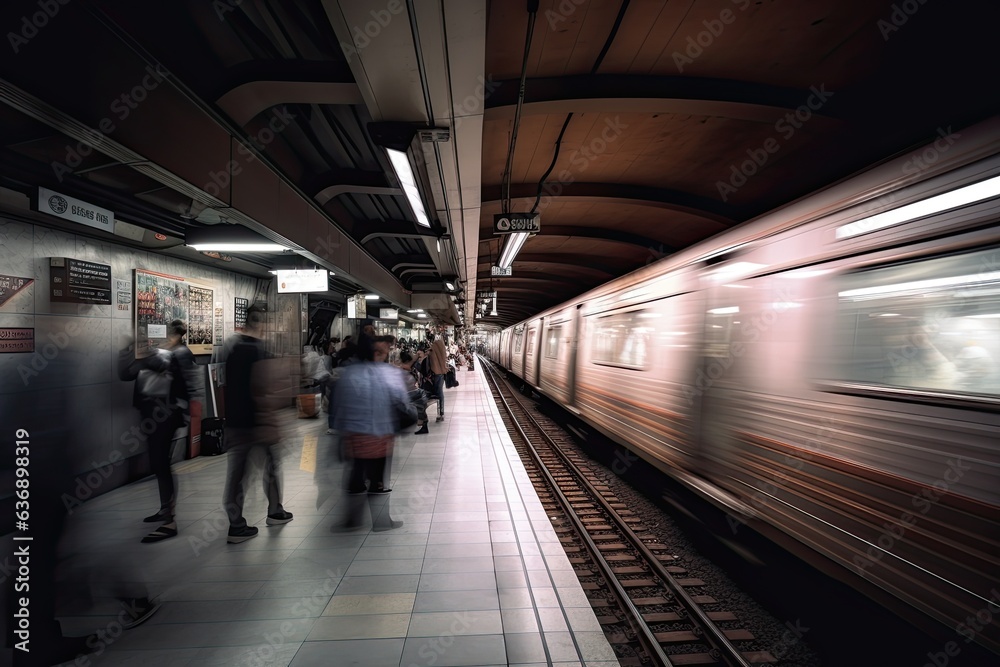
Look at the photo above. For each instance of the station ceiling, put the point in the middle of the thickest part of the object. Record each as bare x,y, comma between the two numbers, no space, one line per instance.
645,126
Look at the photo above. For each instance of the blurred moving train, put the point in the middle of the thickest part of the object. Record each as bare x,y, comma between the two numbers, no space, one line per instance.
828,373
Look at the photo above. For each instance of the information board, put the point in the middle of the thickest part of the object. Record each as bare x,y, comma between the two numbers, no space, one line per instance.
11,285
77,281
201,319
241,313
159,299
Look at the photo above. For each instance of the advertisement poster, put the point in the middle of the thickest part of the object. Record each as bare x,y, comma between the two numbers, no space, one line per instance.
201,319
124,291
219,322
241,313
159,299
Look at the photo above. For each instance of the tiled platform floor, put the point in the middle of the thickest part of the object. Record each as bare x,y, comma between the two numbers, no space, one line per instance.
476,575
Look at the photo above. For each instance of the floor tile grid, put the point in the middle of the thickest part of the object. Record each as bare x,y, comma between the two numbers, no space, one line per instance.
502,449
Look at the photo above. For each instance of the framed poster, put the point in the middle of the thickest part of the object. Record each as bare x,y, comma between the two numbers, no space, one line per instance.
159,299
240,320
201,319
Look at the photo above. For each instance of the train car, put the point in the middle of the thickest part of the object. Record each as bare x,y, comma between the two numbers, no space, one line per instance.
558,354
532,353
830,374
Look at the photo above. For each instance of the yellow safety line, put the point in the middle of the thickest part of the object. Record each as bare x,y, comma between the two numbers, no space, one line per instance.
308,460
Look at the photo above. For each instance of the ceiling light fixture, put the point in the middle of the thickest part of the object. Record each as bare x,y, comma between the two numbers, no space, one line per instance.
229,238
511,248
450,286
404,172
371,297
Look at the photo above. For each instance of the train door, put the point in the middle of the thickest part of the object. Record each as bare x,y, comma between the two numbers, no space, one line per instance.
576,324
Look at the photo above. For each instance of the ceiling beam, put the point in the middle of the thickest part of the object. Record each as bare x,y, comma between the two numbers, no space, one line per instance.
397,229
338,182
619,194
685,95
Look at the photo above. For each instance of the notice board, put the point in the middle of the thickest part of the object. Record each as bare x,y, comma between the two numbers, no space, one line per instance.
162,298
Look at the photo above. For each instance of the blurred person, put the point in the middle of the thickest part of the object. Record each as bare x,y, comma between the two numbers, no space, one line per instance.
974,365
251,425
370,399
381,344
175,365
439,368
414,382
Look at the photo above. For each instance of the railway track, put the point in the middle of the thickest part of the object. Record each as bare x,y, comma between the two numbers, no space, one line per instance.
650,611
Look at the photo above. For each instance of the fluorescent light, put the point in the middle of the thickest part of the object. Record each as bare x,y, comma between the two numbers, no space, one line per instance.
332,273
888,315
988,316
239,247
943,202
919,285
409,182
450,286
805,273
738,286
724,311
511,248
371,297
736,270
421,315
418,310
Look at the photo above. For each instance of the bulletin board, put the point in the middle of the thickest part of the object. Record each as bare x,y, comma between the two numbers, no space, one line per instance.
162,298
201,319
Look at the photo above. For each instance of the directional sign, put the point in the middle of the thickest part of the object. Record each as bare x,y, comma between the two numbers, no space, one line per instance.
486,295
512,223
498,271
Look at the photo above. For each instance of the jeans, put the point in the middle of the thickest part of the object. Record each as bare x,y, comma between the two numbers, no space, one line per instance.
242,443
372,470
160,444
439,388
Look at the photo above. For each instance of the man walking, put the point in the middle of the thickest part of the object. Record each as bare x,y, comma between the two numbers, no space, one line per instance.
250,425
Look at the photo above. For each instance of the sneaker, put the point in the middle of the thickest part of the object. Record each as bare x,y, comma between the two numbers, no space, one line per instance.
278,518
164,532
423,430
440,418
237,535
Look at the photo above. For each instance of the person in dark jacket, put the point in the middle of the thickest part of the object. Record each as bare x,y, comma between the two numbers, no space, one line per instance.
250,424
168,413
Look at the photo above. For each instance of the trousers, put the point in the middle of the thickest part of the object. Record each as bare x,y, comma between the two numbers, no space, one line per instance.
242,443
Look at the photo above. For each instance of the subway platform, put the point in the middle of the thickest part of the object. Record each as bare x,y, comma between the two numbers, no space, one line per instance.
475,576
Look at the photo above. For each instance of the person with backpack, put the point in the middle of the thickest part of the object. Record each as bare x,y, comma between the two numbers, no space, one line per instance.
166,382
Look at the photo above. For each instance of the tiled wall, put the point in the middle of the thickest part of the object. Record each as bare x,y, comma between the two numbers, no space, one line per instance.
67,393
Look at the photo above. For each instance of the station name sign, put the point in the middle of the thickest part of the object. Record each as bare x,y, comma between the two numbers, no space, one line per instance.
499,271
513,223
74,210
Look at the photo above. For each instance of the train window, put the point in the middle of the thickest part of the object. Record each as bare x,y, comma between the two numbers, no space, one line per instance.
531,341
929,325
622,340
552,342
518,337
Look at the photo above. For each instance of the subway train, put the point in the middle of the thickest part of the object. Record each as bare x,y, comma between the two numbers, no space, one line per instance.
827,373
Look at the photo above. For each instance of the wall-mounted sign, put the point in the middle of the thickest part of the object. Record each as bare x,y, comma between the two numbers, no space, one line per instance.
159,299
17,340
388,314
217,255
499,271
11,285
220,321
77,281
512,223
486,295
241,313
303,281
123,291
74,210
201,319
